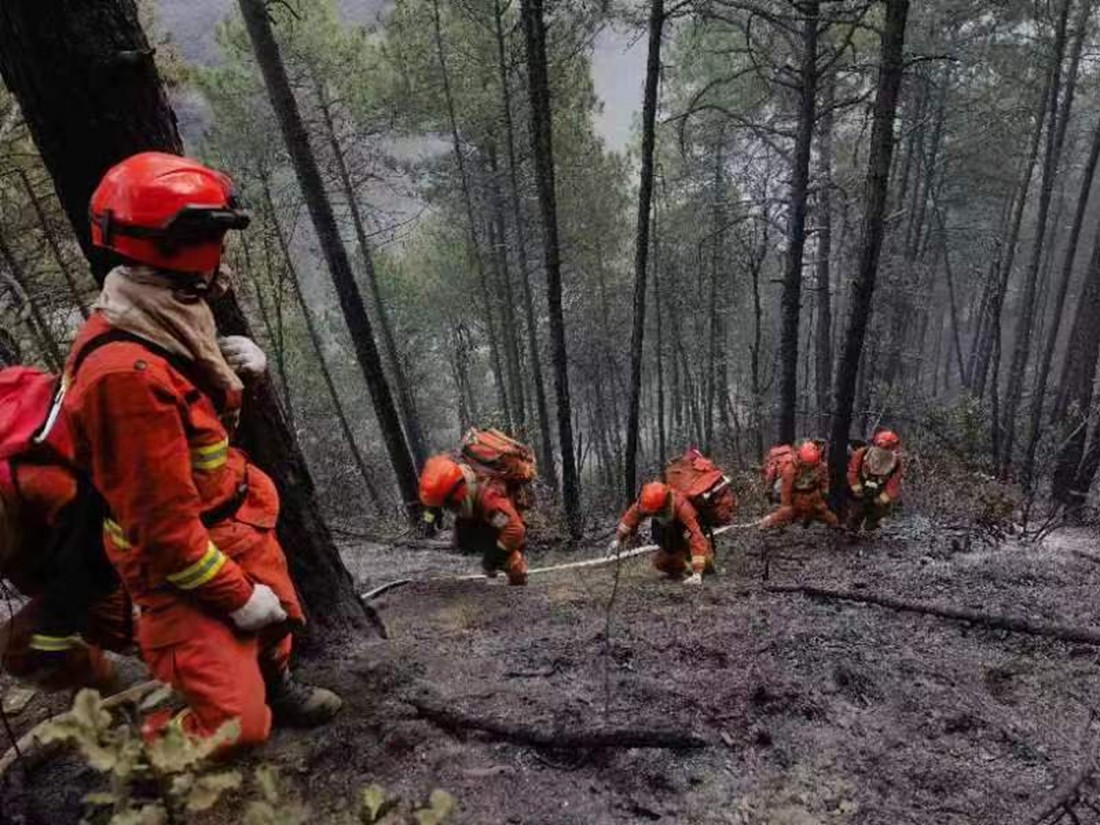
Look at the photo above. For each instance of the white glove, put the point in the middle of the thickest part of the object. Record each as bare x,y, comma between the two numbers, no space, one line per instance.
613,548
261,609
243,355
694,580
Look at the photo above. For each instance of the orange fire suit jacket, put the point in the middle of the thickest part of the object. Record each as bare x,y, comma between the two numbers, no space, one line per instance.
157,451
490,506
892,488
683,535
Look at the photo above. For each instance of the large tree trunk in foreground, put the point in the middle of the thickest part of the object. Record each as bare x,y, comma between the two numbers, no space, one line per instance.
641,250
328,235
791,300
543,146
90,108
863,287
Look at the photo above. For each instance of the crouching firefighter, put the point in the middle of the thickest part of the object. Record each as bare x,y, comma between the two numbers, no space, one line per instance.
51,550
487,521
874,481
685,553
151,400
803,487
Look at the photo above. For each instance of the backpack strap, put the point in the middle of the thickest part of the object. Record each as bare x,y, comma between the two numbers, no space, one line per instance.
121,336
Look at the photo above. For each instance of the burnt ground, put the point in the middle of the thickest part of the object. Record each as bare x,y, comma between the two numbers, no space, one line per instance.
815,712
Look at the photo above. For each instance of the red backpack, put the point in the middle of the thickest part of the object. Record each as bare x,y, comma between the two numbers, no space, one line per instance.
705,486
30,405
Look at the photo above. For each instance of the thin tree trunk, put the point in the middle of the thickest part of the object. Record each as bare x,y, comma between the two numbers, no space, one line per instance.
306,170
876,189
1056,133
405,398
548,463
791,300
824,348
471,220
275,328
641,248
54,245
35,320
543,148
90,108
659,349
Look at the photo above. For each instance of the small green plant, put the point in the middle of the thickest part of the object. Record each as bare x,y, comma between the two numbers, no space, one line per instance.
150,782
378,807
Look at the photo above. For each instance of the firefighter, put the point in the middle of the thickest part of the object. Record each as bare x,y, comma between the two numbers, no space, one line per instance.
151,401
874,481
804,484
684,551
486,519
76,609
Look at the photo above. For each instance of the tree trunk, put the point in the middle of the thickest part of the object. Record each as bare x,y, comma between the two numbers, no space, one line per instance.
547,462
1056,132
543,148
790,303
863,287
1073,406
641,248
35,320
659,344
328,234
471,220
405,398
823,368
87,110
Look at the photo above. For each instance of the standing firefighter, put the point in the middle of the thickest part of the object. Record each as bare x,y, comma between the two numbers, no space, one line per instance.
151,400
684,548
874,480
803,487
485,491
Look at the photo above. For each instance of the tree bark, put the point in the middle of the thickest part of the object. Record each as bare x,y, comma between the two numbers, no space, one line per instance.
547,461
308,174
863,287
791,300
1056,132
641,247
405,398
90,108
543,148
823,368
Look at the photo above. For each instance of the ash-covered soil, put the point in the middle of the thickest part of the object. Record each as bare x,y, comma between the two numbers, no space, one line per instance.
813,711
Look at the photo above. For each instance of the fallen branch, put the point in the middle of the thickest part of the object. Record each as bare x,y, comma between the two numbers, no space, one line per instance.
1012,623
1066,795
600,738
29,744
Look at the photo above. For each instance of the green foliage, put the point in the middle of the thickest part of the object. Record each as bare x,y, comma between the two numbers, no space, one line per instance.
378,807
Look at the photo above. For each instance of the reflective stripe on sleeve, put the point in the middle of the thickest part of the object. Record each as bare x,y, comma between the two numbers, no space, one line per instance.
116,534
53,644
210,456
202,571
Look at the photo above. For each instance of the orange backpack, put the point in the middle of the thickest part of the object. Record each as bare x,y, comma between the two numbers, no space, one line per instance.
492,454
705,486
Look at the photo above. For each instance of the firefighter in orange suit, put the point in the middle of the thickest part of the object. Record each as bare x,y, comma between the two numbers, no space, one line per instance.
874,480
684,549
486,520
804,484
151,399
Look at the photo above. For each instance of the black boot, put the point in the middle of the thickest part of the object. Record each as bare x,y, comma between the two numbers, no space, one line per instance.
296,704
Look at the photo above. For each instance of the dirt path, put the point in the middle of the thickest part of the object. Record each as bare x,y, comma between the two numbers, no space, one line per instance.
816,712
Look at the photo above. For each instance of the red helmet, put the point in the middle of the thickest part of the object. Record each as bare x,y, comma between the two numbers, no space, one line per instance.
653,499
166,211
886,439
441,481
809,453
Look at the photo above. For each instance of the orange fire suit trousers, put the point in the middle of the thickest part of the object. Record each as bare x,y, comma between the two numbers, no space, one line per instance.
221,672
61,663
804,507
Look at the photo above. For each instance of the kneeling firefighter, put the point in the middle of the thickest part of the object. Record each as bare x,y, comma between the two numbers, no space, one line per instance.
487,521
151,400
684,549
804,485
